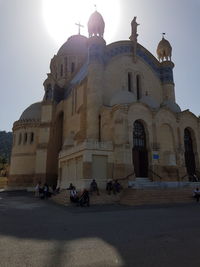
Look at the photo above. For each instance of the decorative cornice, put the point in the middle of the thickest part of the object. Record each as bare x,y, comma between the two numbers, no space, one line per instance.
23,154
25,123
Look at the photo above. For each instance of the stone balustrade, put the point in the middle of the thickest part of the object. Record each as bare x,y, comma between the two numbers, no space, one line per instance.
88,144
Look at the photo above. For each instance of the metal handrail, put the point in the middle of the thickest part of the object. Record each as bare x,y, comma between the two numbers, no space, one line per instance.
182,177
198,172
155,174
126,177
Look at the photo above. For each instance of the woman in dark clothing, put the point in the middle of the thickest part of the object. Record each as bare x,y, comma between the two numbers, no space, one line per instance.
85,198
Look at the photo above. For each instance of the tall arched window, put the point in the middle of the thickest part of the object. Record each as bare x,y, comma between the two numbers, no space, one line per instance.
138,86
31,137
25,138
72,67
66,65
129,81
14,137
20,139
61,70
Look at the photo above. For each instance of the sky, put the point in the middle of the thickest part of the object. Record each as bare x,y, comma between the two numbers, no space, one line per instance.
32,31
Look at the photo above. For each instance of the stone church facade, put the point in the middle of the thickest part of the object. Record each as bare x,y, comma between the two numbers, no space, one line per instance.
108,112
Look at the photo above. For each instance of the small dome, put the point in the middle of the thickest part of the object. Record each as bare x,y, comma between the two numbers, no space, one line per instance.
122,97
76,44
171,105
96,25
164,50
148,100
33,112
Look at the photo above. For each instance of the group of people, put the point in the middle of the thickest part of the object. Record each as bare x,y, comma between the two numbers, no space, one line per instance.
83,199
114,187
45,191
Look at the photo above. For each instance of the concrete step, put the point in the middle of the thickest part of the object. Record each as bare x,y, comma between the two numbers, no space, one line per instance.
142,179
136,196
63,198
155,196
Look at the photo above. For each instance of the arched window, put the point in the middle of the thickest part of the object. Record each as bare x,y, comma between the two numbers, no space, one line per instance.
14,137
139,136
72,67
25,138
130,82
138,86
66,65
20,139
61,70
31,137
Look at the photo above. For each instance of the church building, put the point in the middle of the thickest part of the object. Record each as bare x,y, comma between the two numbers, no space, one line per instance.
108,112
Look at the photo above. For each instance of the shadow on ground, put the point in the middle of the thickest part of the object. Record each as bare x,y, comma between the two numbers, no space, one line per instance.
41,233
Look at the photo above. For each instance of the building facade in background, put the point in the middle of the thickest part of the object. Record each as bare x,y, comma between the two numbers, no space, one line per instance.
108,112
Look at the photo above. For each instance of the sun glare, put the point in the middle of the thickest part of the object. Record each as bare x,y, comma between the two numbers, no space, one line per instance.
60,17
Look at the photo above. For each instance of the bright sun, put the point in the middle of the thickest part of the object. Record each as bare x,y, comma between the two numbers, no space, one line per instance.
60,17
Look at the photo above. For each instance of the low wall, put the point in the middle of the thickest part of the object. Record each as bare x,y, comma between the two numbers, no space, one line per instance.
3,182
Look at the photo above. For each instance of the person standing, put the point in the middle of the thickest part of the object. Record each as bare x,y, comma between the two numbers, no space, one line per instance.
37,189
46,191
94,187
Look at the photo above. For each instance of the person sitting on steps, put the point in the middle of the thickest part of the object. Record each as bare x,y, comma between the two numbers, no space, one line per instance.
74,196
71,187
116,187
84,198
196,194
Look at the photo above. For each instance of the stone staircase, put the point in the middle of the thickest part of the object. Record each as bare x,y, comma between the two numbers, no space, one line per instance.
142,182
134,197
141,195
64,199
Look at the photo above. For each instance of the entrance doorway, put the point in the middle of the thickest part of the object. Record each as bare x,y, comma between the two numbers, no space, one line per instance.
189,153
139,152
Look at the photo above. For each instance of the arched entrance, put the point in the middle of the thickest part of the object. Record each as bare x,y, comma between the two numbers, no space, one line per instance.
189,152
139,153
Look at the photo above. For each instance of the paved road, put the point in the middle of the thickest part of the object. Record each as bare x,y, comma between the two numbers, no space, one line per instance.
40,233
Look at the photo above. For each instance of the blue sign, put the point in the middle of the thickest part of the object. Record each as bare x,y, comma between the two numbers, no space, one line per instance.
155,156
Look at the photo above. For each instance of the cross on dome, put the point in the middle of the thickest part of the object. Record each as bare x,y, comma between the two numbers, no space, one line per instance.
79,27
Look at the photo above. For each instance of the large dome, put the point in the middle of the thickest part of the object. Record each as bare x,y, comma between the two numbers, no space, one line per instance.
96,24
76,44
148,100
33,112
171,105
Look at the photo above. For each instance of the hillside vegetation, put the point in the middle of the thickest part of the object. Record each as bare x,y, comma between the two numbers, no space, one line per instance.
5,146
